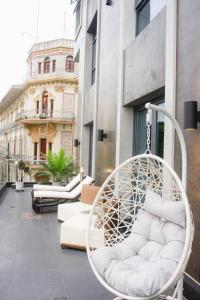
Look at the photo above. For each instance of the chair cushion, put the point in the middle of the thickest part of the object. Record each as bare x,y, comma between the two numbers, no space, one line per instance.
141,264
64,195
66,188
67,210
73,231
173,211
88,193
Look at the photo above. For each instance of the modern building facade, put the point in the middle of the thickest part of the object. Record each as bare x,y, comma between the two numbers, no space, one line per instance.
40,114
129,53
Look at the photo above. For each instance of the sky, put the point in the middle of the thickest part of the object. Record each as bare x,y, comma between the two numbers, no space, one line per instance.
18,28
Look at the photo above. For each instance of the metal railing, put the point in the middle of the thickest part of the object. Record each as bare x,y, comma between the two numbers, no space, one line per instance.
44,114
3,173
9,170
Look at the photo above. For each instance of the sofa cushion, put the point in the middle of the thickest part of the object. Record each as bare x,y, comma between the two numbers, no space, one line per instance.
173,211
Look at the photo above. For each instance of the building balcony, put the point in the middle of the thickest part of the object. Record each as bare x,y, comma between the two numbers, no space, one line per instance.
31,117
59,74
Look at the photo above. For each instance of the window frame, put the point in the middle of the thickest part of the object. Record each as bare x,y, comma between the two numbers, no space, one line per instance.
46,68
69,64
54,65
78,28
139,7
94,51
39,68
45,96
37,107
51,107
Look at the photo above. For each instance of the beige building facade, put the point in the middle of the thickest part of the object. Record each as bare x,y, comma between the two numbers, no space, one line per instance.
40,114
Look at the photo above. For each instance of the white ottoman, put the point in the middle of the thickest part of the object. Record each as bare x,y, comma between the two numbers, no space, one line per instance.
67,210
73,232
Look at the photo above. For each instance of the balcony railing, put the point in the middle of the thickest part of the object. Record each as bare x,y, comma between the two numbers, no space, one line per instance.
9,170
44,115
3,173
57,74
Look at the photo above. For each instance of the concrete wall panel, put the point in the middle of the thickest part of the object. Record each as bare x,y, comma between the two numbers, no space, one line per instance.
144,69
188,88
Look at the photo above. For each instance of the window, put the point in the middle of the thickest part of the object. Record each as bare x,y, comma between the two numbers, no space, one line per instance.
157,132
31,69
47,65
51,108
94,58
69,64
39,67
93,31
35,150
50,147
37,107
45,103
77,10
146,11
54,65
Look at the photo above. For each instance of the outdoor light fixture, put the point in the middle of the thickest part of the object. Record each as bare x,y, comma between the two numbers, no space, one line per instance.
109,2
76,143
101,135
191,115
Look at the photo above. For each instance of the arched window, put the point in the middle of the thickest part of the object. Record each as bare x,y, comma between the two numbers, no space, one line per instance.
45,103
47,65
69,64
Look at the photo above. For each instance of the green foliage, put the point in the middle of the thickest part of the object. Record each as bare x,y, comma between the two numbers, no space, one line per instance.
59,167
21,165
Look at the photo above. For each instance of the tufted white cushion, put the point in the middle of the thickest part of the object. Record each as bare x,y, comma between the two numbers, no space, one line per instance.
173,211
144,262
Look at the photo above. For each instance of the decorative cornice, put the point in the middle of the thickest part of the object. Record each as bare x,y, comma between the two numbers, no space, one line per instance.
54,51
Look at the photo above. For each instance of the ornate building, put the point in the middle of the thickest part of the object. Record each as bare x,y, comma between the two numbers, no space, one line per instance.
40,114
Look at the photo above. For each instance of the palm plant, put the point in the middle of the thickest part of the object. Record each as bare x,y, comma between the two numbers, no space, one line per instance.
59,167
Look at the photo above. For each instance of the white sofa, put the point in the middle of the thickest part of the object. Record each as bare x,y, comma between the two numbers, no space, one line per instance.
73,232
67,210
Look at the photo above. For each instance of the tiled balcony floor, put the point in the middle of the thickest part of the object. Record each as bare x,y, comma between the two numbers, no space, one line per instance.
32,264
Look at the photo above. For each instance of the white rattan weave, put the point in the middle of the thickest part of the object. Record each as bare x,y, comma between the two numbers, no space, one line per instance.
121,197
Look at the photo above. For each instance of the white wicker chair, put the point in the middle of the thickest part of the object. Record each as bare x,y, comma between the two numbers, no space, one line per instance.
121,199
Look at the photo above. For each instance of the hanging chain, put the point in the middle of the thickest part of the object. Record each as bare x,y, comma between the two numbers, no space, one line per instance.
148,124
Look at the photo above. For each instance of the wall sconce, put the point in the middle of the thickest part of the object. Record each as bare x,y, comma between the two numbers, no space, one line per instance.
101,135
191,115
109,2
76,143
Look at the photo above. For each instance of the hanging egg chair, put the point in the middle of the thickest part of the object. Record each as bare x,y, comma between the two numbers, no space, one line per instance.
145,227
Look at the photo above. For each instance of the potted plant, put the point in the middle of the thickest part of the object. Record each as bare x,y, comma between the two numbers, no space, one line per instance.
58,167
41,175
19,184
